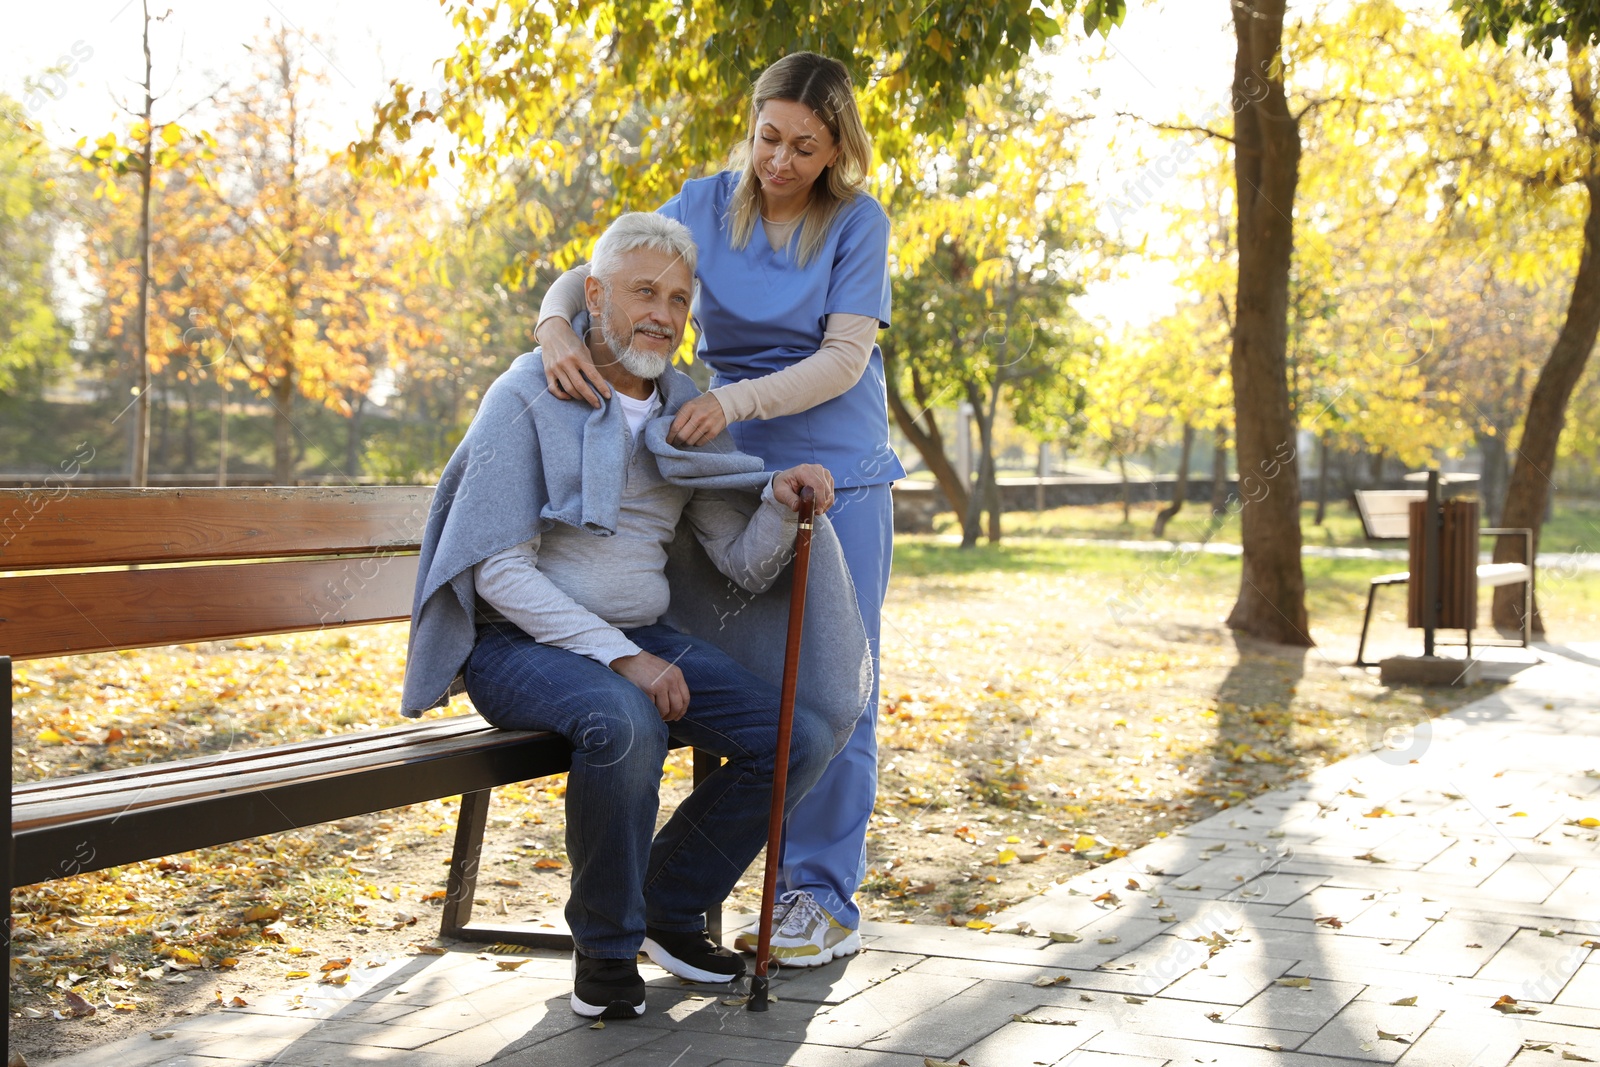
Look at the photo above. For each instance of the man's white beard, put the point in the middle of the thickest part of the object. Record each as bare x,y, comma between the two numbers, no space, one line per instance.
639,364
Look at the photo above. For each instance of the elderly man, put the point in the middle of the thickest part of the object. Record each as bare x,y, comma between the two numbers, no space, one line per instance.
542,588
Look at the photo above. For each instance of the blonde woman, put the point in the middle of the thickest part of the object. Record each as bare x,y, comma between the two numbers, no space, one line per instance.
793,287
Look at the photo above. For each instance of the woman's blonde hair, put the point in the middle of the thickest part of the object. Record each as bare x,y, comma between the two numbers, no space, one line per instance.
823,85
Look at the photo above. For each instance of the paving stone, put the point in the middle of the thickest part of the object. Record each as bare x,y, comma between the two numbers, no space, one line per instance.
1343,903
486,1005
1177,1050
1445,946
728,1048
1282,889
309,1052
1525,880
1398,918
1085,1058
1537,967
1469,859
884,1007
1028,1043
1466,1041
1360,1022
510,1032
1583,988
1233,976
954,1024
582,1047
1288,1008
838,982
1578,895
138,1051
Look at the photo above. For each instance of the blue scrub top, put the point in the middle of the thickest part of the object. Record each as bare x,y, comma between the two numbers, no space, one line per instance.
759,311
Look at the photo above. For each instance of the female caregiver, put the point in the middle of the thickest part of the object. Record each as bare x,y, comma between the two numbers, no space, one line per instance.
793,288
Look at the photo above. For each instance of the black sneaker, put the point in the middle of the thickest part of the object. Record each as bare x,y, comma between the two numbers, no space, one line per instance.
609,989
693,956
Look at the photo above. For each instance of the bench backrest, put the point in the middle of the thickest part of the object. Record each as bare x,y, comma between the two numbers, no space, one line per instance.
1385,513
90,570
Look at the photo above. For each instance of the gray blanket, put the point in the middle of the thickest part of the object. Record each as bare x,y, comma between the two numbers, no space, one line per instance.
529,461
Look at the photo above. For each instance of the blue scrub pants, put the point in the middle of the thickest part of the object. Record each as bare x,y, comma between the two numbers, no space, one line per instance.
825,841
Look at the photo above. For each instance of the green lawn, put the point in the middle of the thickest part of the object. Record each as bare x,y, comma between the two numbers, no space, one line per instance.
1336,589
1575,526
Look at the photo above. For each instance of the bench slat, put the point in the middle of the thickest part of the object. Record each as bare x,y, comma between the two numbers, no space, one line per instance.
54,808
1496,574
99,611
94,527
73,846
465,729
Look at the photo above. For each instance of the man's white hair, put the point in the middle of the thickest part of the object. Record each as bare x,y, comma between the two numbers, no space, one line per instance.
641,229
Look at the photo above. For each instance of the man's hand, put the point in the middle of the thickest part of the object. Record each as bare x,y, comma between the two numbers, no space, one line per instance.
697,422
568,367
786,486
659,680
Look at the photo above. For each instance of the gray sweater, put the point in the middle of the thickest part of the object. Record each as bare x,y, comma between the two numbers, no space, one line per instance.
574,590
531,463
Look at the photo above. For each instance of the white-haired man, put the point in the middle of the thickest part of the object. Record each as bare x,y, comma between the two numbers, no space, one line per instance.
567,585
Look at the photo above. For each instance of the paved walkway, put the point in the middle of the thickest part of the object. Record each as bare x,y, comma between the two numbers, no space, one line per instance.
1377,912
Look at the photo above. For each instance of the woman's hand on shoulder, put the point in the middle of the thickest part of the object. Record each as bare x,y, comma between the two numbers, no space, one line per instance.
698,422
568,367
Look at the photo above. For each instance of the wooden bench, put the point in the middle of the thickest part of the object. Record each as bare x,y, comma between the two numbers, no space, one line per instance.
1397,515
96,570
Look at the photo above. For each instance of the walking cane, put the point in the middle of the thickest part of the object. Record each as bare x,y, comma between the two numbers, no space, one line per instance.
780,771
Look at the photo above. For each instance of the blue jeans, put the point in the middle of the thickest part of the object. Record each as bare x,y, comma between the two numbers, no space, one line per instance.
621,880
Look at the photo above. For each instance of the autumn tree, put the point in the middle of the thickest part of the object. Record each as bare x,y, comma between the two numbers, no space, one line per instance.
524,73
310,253
32,336
992,242
1545,27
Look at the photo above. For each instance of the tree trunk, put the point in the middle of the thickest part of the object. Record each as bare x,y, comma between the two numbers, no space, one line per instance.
1528,494
352,446
1127,504
1219,472
141,338
922,430
283,431
1180,488
222,433
991,503
191,443
1272,600
983,413
1322,479
1492,483
1375,469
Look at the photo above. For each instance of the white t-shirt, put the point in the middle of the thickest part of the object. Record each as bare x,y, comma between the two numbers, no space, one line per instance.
639,412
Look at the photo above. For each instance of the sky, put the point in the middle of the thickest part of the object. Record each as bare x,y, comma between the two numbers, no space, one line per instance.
1169,56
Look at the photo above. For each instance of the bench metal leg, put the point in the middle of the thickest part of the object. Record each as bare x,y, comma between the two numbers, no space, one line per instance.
464,862
467,855
1366,621
464,859
705,765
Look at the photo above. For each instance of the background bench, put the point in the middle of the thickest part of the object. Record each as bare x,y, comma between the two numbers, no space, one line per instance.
79,574
1400,515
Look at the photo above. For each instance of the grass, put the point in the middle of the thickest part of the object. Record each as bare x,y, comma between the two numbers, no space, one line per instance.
1574,526
1336,589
